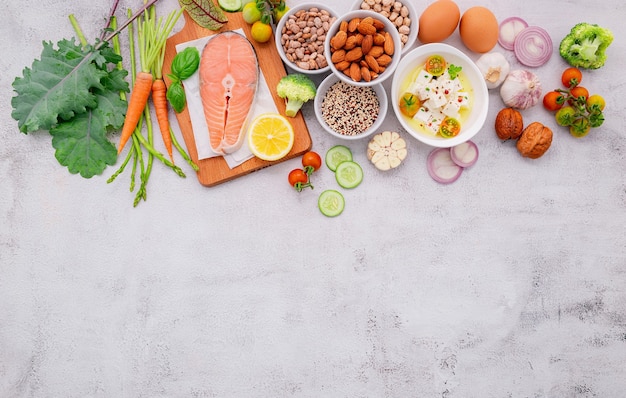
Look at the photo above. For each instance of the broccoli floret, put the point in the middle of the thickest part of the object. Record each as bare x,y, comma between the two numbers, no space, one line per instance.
585,45
296,89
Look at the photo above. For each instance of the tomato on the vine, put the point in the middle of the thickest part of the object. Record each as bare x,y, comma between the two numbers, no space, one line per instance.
595,102
580,127
571,77
261,32
311,161
299,179
553,101
577,93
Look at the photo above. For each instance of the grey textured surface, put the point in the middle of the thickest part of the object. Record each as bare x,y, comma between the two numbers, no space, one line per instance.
510,282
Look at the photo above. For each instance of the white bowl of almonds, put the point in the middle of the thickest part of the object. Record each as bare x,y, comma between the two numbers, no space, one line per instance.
363,48
348,111
300,35
401,13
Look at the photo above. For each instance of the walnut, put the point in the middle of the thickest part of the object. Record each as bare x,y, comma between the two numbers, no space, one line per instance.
509,124
534,141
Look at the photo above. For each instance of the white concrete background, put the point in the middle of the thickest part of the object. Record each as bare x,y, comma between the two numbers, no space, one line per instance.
510,282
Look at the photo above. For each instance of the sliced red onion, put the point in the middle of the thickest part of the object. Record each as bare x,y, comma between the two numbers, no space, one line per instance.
509,28
533,46
441,167
465,154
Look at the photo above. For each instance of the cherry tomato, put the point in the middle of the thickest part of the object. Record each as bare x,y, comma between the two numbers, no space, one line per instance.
299,179
579,93
449,127
580,127
261,31
435,65
311,161
571,77
565,116
595,102
553,101
409,104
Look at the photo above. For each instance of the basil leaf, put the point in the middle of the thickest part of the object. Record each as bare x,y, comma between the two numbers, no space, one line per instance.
176,96
185,63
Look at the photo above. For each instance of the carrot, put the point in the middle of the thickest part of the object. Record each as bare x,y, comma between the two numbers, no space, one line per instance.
136,106
159,91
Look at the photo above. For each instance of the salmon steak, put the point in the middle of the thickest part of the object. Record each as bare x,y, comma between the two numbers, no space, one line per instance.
229,75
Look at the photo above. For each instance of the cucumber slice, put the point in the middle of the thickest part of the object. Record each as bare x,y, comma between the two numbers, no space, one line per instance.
349,174
331,203
230,5
336,155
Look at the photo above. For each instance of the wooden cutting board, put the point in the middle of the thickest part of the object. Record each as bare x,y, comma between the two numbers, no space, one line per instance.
215,170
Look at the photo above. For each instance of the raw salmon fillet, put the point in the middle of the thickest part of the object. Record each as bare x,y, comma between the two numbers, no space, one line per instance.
229,74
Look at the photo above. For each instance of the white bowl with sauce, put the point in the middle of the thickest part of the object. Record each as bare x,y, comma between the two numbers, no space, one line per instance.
471,119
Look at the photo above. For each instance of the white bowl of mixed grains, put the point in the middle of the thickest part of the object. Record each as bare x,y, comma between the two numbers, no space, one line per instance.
363,48
348,111
401,13
300,36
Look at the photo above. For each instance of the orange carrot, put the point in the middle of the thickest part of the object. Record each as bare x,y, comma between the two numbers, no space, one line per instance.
159,99
136,106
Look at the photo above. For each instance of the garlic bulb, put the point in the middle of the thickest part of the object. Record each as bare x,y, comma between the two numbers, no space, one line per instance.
494,68
386,150
521,89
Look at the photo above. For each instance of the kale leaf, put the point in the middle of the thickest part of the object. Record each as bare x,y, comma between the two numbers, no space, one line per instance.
74,93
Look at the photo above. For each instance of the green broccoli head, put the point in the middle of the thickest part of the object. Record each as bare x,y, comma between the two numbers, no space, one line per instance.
585,46
296,89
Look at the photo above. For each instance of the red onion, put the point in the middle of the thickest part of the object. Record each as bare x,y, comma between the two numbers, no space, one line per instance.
465,154
533,46
509,28
441,167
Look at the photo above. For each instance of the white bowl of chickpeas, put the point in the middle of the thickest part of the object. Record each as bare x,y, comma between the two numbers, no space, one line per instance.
300,35
401,13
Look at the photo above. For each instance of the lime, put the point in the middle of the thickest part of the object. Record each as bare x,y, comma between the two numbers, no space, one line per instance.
230,5
270,136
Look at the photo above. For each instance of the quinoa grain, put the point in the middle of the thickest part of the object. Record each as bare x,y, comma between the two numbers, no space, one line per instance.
349,109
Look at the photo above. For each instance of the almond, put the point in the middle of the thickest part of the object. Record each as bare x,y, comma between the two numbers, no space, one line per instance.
365,74
366,28
372,63
351,43
378,24
388,45
355,72
368,20
352,25
343,26
376,51
339,40
338,56
368,42
343,65
354,55
379,39
359,39
383,60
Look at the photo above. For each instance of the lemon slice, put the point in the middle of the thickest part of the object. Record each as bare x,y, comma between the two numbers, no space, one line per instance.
270,136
